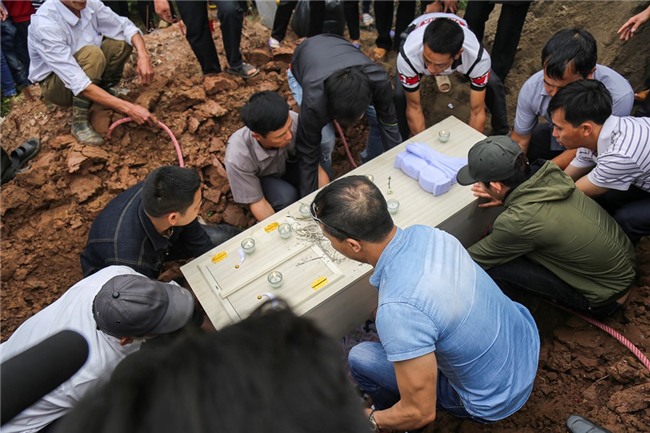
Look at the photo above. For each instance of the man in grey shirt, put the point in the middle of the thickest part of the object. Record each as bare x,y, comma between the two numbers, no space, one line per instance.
260,157
570,55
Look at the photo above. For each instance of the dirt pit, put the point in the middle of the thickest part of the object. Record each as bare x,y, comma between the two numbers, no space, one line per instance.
47,211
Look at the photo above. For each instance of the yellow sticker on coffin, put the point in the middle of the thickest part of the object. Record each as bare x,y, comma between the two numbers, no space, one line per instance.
319,283
219,257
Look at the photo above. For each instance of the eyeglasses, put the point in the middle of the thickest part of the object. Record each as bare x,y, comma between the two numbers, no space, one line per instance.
313,211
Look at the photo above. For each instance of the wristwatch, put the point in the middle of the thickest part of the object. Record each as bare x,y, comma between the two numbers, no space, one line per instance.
373,423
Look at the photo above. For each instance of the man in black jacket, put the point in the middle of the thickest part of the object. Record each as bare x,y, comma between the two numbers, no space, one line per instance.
152,222
333,80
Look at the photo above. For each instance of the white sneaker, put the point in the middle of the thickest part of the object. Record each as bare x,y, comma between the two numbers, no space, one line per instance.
367,20
274,44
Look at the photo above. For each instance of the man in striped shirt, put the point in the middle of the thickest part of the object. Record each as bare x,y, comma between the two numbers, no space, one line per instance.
569,55
612,164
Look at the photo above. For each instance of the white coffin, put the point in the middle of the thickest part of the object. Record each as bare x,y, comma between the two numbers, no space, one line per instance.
317,281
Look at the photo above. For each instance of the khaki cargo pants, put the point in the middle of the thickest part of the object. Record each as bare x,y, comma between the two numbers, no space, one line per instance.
102,65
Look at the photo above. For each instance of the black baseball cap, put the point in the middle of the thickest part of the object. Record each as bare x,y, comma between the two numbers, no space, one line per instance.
490,160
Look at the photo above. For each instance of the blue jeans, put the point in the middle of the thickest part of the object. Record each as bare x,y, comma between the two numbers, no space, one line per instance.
8,85
374,145
375,374
18,69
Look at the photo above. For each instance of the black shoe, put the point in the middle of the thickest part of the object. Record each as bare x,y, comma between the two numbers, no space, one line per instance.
19,159
578,424
25,152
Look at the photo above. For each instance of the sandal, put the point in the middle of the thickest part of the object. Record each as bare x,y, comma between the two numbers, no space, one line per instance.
23,153
444,85
244,71
15,163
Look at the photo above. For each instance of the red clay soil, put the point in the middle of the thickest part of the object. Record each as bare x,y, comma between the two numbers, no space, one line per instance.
47,211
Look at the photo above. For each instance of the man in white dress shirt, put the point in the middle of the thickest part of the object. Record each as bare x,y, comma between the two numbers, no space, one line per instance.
78,49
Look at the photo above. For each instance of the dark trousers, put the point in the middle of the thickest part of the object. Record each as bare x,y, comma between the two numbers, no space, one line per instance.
495,101
524,275
118,6
506,40
318,12
351,11
7,169
231,17
282,19
145,8
384,22
539,146
630,209
279,192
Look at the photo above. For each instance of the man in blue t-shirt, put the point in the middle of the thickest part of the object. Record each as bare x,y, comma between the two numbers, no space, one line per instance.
449,338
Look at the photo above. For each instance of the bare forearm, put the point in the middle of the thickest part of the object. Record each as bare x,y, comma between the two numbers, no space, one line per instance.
323,178
477,120
522,140
144,67
590,190
576,173
415,119
261,209
401,418
138,42
564,159
139,114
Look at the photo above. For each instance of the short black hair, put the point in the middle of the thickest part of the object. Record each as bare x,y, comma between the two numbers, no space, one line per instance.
272,372
169,189
348,95
444,36
356,206
582,101
265,112
575,48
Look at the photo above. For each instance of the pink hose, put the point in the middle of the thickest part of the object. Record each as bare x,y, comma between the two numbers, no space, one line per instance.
345,144
611,331
177,146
